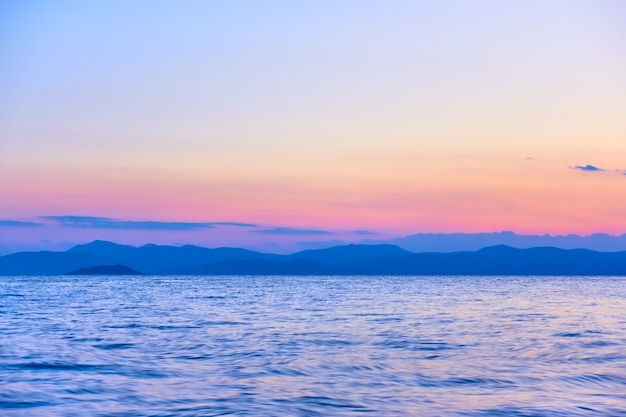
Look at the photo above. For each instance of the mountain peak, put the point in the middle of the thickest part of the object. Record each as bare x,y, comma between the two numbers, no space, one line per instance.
498,248
351,252
102,248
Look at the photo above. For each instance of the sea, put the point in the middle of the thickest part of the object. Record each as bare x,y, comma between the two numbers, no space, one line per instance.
312,346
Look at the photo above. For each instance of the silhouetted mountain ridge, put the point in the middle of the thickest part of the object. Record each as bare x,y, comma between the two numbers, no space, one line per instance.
158,259
381,259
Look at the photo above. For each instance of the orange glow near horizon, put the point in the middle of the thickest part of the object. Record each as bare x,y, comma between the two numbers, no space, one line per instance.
524,197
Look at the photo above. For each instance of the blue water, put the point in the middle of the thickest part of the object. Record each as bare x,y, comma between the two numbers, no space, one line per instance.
312,346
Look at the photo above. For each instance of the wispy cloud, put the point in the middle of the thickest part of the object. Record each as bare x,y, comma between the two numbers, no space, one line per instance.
235,224
588,168
75,220
109,223
293,231
94,222
16,223
593,169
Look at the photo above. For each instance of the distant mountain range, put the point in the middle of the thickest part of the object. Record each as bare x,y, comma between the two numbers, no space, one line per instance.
383,259
454,242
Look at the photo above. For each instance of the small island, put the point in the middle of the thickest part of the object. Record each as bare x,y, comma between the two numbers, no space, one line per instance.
105,270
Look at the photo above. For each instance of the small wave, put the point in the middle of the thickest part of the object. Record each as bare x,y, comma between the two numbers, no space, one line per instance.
285,372
578,334
417,346
588,380
533,411
126,326
55,366
517,412
99,369
114,346
221,323
457,382
387,320
567,334
326,402
172,327
331,342
599,343
208,297
12,404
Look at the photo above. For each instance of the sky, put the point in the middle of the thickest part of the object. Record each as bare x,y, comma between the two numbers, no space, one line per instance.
280,123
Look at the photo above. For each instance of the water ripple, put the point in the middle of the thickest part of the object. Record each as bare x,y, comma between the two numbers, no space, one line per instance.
312,346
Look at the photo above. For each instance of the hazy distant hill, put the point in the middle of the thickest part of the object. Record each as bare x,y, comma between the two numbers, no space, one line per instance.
350,253
259,267
454,242
349,259
105,270
502,260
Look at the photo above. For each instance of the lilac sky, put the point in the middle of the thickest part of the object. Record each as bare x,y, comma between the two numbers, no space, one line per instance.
276,124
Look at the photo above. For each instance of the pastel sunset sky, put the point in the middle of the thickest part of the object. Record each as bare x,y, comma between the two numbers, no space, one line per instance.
254,123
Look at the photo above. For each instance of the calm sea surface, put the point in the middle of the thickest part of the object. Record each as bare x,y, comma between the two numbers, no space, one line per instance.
312,346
